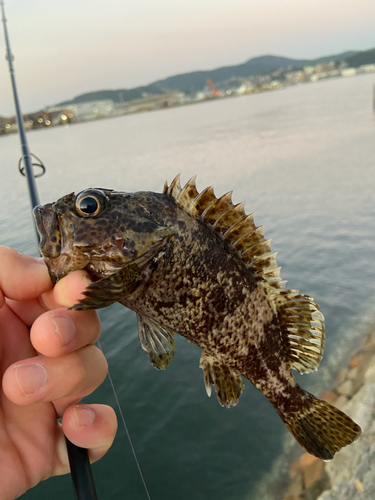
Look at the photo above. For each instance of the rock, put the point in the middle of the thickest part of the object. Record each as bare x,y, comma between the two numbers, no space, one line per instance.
359,486
369,375
295,489
296,468
346,462
351,474
355,361
341,402
353,373
316,488
346,388
312,471
360,407
329,396
367,360
341,376
370,343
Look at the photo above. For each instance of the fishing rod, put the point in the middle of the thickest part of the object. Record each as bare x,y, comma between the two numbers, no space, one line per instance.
83,482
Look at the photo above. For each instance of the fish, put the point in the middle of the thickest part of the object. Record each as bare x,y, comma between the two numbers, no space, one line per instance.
192,264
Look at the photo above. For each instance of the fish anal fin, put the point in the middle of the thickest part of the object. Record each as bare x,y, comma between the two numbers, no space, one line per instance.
111,289
157,341
228,382
302,325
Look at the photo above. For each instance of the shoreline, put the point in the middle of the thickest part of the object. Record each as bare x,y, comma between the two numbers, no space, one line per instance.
351,474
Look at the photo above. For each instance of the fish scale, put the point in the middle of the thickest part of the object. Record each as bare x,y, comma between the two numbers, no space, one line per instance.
190,263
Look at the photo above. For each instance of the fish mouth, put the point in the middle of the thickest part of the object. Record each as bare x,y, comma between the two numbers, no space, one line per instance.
48,230
37,212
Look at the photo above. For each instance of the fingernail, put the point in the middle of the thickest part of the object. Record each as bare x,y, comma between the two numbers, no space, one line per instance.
84,416
31,378
65,328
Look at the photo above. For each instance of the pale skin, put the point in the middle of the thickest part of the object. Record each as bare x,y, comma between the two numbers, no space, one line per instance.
48,364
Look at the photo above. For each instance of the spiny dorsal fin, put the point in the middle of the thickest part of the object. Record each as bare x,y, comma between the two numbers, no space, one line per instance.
231,221
300,319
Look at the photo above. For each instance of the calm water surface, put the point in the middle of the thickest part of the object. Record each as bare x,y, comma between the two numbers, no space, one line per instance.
303,160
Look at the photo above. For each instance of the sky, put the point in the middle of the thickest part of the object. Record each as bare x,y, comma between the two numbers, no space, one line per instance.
66,48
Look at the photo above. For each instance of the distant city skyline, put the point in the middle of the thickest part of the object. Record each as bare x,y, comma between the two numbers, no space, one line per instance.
63,49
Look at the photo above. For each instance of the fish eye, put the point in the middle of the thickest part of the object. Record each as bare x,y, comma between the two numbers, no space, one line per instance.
90,203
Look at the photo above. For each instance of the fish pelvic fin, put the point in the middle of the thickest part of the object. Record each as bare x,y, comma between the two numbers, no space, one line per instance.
320,428
228,382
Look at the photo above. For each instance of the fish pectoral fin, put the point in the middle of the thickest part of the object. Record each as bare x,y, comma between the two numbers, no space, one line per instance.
111,289
157,341
228,382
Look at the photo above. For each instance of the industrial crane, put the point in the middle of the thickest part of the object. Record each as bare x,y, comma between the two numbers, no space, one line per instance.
215,92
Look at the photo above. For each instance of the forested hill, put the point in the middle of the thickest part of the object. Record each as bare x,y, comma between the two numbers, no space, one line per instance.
196,80
366,57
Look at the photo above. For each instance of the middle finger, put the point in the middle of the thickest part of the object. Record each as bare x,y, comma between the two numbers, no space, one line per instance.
60,331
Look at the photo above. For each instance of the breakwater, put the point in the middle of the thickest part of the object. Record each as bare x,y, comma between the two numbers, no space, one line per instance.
351,474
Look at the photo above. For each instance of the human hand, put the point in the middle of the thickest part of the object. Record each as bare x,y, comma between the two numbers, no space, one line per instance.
48,364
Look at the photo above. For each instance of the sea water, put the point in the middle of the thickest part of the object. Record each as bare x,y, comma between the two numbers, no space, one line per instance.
303,159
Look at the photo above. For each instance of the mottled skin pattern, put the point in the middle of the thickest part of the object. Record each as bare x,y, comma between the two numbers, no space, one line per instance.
181,275
205,293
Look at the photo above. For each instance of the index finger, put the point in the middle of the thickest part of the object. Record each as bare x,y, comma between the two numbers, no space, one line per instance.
67,291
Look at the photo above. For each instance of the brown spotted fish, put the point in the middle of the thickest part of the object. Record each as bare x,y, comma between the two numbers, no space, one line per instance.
190,263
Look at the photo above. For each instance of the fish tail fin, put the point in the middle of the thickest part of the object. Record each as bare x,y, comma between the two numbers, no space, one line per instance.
321,428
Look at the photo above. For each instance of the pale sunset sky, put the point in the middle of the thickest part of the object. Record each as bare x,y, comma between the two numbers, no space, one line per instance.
66,48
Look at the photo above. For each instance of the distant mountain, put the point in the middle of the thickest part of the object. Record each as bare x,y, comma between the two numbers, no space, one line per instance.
120,95
191,82
365,57
255,66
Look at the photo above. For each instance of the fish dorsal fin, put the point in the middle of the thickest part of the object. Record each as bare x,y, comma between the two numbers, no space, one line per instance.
228,382
302,324
157,341
231,222
299,316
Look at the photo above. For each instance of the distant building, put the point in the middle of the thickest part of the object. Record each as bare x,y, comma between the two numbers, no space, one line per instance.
4,125
153,102
309,70
245,88
39,119
348,72
367,68
91,110
325,67
294,77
